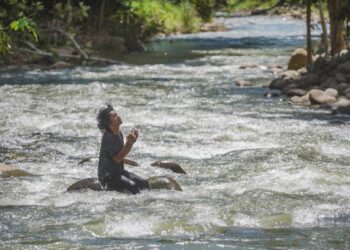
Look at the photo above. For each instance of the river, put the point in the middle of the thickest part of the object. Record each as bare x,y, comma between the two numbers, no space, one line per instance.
261,172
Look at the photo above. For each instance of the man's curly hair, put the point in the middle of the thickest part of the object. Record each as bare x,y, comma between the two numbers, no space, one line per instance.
103,117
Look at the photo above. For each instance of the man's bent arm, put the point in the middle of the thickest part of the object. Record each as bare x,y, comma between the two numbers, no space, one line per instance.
118,158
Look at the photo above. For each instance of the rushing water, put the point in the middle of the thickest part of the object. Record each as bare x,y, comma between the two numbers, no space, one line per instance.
261,173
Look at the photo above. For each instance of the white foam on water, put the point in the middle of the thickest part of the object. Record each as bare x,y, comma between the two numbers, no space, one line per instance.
130,225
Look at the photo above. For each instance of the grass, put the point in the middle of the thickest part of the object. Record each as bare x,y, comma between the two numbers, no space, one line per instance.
241,5
167,17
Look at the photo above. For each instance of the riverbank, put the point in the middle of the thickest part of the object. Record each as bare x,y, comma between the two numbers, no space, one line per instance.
102,48
326,85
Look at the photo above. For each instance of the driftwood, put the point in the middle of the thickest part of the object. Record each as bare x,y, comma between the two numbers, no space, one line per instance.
82,54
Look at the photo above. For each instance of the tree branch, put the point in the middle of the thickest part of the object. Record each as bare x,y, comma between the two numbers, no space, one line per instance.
71,38
36,51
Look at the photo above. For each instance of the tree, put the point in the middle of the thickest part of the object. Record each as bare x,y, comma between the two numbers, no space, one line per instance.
308,31
337,19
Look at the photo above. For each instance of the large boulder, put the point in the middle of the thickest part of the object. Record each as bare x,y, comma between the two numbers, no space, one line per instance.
279,83
340,77
298,59
169,165
331,92
10,171
156,182
308,80
319,65
331,82
318,96
296,92
344,67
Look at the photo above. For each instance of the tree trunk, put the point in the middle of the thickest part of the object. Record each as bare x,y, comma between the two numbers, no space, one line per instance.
101,18
324,28
336,25
308,34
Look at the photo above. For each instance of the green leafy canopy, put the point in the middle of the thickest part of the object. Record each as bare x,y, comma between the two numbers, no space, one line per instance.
23,24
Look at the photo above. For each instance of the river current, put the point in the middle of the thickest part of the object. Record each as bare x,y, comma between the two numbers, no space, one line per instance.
261,173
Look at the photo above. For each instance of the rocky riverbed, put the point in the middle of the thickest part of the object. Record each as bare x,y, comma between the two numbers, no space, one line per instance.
326,84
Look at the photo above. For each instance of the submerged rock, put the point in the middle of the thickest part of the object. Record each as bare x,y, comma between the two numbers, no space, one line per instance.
10,171
243,83
169,165
89,183
156,182
163,182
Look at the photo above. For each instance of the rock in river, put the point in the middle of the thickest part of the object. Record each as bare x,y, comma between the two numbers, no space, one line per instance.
8,171
156,182
169,165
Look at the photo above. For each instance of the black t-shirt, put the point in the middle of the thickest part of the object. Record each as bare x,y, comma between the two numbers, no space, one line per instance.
110,146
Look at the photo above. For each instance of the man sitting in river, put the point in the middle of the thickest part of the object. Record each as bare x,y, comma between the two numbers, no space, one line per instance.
111,172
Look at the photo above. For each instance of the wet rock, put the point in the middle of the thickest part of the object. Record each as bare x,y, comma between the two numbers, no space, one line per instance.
156,182
248,65
298,59
340,77
296,92
291,74
308,80
61,65
302,71
278,84
81,162
169,165
342,102
301,100
10,171
341,87
319,65
163,182
344,67
320,97
331,92
83,185
347,77
243,83
331,82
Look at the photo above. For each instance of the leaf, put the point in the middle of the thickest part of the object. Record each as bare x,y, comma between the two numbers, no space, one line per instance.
14,25
22,23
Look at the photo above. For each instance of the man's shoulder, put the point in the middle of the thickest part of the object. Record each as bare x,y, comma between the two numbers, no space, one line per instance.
109,136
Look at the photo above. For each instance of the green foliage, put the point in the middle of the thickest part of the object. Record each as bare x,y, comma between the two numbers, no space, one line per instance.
166,17
67,15
23,24
205,8
5,43
241,5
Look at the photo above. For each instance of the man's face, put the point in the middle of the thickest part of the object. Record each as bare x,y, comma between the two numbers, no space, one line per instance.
114,118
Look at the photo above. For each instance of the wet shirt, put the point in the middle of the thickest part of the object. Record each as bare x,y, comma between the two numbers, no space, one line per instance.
110,146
